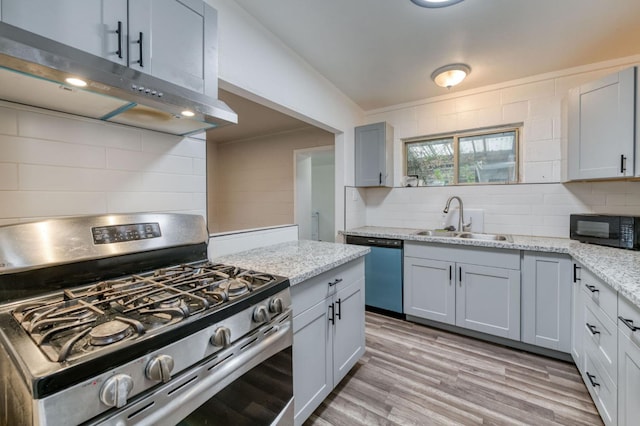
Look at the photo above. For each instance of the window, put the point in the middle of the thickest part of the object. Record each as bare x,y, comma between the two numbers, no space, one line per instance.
467,158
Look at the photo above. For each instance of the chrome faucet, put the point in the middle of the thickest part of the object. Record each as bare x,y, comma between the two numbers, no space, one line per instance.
461,225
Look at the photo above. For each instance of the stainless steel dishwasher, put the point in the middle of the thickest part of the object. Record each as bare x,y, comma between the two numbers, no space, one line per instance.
383,274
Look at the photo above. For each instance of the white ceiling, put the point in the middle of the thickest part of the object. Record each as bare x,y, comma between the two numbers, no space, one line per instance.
382,52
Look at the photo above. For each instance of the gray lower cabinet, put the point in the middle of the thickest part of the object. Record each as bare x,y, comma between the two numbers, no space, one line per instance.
328,333
546,300
628,363
577,313
474,288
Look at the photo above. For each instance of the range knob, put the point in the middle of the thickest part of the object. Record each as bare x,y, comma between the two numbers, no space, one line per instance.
116,390
261,314
159,368
276,305
221,337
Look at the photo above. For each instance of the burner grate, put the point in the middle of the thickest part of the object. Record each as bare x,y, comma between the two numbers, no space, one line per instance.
86,320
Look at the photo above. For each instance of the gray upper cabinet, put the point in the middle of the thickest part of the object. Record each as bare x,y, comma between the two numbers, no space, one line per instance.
173,43
601,127
174,40
546,300
374,155
95,26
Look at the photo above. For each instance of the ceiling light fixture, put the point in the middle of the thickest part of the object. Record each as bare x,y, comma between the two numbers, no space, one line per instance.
450,75
187,113
435,3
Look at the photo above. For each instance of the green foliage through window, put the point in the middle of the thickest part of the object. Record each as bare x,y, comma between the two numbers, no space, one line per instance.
487,157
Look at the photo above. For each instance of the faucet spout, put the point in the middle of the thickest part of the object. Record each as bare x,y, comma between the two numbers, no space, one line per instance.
461,224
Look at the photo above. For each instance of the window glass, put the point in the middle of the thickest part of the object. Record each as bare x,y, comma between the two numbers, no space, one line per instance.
466,159
432,161
488,158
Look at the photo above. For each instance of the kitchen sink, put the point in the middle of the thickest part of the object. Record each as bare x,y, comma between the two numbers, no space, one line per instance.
438,233
467,235
485,237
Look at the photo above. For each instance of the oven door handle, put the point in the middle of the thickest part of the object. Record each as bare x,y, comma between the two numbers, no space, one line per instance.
174,401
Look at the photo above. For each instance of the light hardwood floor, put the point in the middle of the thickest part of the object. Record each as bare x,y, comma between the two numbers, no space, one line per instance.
417,375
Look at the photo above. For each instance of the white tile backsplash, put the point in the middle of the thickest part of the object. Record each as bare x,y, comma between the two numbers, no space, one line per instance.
524,209
54,164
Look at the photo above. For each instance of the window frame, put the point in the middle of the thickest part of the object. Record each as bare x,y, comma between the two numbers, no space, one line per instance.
456,136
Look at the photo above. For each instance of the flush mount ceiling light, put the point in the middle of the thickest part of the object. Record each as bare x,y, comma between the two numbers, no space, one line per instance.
435,3
187,113
450,75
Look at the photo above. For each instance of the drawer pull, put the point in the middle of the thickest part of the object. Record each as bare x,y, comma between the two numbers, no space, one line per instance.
592,380
592,288
629,323
575,273
592,329
334,282
339,312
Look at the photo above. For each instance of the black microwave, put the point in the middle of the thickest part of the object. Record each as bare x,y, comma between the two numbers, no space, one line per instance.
606,230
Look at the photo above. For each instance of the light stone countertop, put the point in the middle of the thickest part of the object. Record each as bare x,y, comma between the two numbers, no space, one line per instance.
617,267
297,260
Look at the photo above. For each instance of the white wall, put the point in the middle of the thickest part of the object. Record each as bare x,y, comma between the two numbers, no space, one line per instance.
540,207
54,164
255,64
535,101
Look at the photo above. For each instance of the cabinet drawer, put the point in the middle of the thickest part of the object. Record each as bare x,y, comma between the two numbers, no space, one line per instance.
631,314
309,292
600,293
601,339
483,256
602,390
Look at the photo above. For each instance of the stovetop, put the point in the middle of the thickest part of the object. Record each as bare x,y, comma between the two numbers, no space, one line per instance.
90,320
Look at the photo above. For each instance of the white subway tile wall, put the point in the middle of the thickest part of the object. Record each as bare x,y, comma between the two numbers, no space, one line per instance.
524,209
542,205
54,164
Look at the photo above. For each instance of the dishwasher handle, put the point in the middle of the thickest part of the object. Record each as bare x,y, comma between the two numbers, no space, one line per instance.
374,242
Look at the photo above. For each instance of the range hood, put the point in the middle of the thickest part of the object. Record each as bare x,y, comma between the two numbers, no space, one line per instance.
34,71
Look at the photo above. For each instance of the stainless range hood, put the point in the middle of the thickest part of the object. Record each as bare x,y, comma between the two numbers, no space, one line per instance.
34,69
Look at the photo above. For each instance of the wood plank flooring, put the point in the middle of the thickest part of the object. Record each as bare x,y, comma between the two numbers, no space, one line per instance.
417,375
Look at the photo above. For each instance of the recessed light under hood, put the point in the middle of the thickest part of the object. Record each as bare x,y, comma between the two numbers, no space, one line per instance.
34,69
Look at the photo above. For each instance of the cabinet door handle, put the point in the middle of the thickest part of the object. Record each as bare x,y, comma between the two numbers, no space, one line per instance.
628,323
460,274
332,314
139,61
450,273
334,282
339,312
380,178
119,32
575,272
592,380
592,329
592,288
623,162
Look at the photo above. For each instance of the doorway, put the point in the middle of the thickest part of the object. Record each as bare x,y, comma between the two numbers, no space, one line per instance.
314,198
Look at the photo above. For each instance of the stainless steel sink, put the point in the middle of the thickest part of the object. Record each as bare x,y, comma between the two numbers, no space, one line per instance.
438,233
485,237
468,235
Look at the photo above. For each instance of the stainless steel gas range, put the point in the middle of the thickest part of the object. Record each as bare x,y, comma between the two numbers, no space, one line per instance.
121,319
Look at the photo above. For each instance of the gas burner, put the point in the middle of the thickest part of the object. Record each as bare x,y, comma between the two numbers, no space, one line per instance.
238,287
109,332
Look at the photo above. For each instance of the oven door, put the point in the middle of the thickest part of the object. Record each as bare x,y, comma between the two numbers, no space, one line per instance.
249,383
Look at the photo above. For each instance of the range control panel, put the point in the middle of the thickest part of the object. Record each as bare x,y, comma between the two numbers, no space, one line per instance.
121,233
